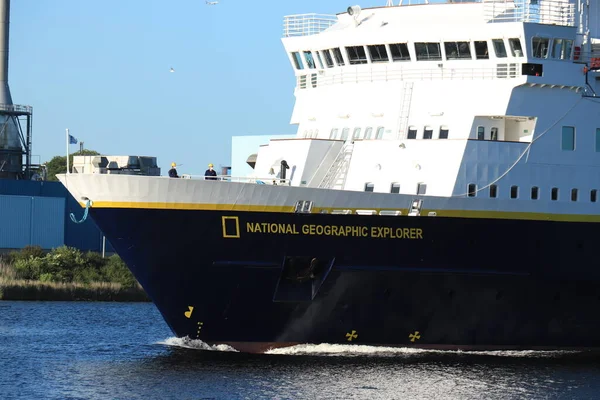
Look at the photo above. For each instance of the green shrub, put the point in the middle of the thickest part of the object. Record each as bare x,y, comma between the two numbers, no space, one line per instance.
25,253
29,268
116,271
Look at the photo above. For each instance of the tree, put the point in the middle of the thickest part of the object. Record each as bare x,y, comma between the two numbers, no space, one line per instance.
58,164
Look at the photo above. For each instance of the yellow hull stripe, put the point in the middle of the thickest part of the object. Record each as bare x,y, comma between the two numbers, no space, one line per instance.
287,209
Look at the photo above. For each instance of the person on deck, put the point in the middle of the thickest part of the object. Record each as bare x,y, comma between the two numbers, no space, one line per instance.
210,174
173,171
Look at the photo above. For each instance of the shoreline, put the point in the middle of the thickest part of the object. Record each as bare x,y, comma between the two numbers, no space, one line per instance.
23,290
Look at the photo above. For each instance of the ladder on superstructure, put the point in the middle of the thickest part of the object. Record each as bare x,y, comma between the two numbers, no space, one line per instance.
335,178
404,109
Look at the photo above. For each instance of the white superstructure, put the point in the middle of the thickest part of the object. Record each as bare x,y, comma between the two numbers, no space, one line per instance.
492,98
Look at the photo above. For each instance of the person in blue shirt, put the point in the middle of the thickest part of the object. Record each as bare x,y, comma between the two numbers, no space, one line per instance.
210,174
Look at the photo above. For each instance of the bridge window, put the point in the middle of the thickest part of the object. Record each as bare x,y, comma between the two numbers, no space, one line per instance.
561,49
568,138
428,133
471,190
597,139
379,133
457,50
356,134
499,48
421,188
574,194
481,50
345,133
539,47
368,133
309,59
356,55
554,194
443,132
395,188
378,53
399,52
369,187
337,54
328,58
515,47
493,191
480,133
412,132
535,193
514,192
428,51
297,60
593,195
333,134
320,59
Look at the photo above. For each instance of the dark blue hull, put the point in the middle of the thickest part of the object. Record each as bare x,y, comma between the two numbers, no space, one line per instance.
270,279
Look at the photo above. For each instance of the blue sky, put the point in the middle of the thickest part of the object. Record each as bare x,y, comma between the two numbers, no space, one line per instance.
101,69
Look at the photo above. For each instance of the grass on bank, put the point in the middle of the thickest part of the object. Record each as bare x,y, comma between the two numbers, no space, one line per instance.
66,273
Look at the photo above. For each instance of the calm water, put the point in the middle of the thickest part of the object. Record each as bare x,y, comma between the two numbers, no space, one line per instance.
74,350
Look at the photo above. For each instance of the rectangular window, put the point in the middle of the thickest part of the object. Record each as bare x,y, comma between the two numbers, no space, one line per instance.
428,51
480,133
337,54
428,133
499,48
515,47
443,132
481,50
310,62
328,59
566,49
319,59
356,133
379,133
574,194
471,190
333,134
457,50
554,194
539,46
556,48
597,139
568,138
493,191
514,192
412,132
593,195
368,133
297,60
421,188
534,193
399,52
378,53
395,188
356,55
345,133
369,187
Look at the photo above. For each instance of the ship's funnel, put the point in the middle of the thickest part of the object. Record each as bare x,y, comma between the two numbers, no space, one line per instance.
5,97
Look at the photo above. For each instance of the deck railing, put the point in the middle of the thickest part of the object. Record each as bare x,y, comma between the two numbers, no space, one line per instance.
306,24
244,179
553,12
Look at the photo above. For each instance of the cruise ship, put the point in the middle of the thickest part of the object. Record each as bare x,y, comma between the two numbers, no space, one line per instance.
441,190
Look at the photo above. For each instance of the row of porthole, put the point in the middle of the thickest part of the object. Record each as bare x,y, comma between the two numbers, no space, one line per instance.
534,194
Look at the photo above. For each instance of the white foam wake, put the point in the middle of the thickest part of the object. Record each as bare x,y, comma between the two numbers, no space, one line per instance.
196,344
361,350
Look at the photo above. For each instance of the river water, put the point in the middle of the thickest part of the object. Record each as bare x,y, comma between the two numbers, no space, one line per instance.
79,350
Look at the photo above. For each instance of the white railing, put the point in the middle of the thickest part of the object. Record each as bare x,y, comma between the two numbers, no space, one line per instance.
499,71
306,24
553,12
243,179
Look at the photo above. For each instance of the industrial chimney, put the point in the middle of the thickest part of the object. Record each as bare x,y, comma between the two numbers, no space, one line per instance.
14,142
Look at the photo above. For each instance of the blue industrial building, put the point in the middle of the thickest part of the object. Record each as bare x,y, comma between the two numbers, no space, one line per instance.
38,213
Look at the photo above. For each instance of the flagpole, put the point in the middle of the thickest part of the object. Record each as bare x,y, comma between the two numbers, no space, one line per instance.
68,150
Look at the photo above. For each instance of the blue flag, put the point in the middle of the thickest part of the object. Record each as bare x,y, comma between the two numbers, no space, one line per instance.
72,139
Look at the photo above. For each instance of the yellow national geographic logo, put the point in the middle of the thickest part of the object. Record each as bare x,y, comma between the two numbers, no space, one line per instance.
231,227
